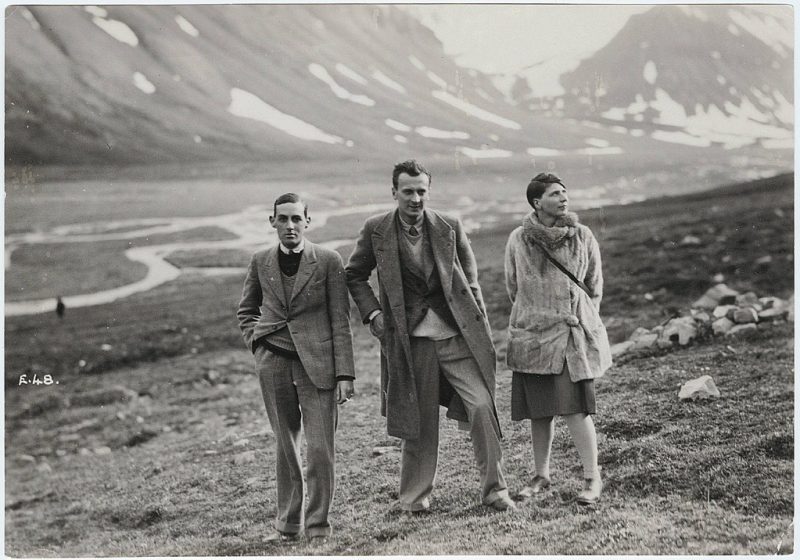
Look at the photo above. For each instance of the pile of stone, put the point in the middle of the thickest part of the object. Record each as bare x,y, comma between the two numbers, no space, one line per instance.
722,310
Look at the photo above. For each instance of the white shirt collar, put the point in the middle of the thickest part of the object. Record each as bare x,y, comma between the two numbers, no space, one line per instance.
299,249
418,224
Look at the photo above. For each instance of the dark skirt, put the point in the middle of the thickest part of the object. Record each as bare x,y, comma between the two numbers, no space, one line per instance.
537,396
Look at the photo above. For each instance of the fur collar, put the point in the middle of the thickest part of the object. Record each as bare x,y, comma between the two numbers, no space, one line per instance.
551,237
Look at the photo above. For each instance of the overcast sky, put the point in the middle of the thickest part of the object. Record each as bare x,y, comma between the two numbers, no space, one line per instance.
503,38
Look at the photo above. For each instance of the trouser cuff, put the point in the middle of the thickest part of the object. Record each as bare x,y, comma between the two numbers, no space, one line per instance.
288,528
319,531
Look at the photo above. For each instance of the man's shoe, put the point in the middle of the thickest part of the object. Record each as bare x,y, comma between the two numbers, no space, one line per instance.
502,503
276,537
538,484
318,540
592,488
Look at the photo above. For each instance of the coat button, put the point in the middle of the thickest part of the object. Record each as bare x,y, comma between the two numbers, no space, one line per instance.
572,321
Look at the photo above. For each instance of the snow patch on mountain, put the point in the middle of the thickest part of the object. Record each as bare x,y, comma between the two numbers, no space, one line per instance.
544,152
141,82
400,139
650,73
765,28
484,153
678,137
348,72
117,30
96,11
436,80
186,27
430,132
416,62
396,125
319,71
30,18
245,104
387,81
475,111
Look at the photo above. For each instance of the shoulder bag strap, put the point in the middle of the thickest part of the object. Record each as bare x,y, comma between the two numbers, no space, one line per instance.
563,269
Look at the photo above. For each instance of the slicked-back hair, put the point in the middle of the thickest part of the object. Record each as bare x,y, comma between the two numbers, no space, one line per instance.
289,197
539,185
412,167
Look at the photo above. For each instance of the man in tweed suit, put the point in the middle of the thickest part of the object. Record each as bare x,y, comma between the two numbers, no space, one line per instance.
435,341
294,317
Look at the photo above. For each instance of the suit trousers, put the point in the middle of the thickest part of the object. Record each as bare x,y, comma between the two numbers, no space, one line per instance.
290,398
454,360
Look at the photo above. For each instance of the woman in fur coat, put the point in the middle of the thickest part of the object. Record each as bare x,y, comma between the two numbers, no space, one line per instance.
557,343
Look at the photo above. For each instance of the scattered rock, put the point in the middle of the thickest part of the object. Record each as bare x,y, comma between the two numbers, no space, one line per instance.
384,449
766,259
648,296
748,299
25,458
699,389
61,452
44,468
719,294
83,451
166,429
718,278
46,403
241,443
66,438
738,329
141,437
645,341
620,348
102,450
690,240
212,376
75,507
722,325
101,397
745,315
723,310
772,313
244,458
106,347
700,316
681,330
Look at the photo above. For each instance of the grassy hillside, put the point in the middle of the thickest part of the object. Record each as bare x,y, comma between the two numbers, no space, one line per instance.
185,467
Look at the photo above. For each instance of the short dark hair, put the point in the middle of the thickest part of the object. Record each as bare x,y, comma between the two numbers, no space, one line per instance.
539,184
289,197
411,167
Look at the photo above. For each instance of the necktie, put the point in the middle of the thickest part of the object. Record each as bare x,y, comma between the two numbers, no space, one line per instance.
412,231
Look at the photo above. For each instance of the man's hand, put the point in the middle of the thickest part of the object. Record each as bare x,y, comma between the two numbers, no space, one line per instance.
344,391
376,325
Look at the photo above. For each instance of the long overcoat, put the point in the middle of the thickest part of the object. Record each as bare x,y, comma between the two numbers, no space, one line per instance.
378,247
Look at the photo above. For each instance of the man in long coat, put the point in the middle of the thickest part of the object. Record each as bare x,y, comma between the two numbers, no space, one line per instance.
436,346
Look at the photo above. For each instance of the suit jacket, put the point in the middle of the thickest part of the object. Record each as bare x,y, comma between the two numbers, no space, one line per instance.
378,247
318,313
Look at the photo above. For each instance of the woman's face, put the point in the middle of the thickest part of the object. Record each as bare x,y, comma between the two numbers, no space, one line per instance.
554,202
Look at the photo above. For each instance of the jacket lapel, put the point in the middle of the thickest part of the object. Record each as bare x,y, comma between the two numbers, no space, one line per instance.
272,271
308,263
443,244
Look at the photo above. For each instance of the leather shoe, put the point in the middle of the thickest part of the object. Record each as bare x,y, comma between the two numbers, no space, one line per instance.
318,540
538,484
502,503
279,537
592,487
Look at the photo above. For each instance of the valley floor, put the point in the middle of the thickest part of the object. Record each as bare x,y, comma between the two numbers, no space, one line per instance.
185,468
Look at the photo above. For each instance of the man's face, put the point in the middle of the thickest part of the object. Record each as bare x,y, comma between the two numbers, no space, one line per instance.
411,194
554,202
291,223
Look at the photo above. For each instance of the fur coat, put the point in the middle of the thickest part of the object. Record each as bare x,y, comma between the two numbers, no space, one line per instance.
552,319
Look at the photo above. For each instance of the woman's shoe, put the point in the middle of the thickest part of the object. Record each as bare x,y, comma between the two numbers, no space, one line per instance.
538,484
592,488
